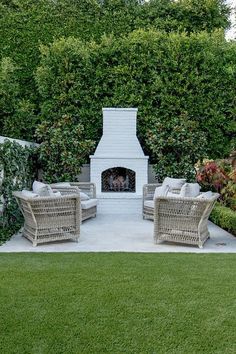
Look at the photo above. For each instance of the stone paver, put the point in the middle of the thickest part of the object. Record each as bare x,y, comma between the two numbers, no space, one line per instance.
122,233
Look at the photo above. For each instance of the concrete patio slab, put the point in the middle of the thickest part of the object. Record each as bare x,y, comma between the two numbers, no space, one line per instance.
123,233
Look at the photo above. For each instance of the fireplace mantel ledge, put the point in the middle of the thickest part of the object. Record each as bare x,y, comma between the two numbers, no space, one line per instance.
130,157
117,195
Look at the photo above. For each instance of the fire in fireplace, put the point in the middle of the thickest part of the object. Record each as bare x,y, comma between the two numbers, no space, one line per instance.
118,179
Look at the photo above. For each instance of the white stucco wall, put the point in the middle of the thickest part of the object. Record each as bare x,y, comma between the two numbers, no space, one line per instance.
231,33
21,142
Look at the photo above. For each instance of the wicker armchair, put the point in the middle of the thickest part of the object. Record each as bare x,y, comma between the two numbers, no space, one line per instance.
89,208
50,218
182,220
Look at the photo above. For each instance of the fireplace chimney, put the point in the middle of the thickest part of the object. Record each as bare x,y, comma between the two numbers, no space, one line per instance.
119,134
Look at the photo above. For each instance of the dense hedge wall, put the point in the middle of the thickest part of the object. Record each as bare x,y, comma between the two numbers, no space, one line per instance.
151,55
167,76
24,24
18,115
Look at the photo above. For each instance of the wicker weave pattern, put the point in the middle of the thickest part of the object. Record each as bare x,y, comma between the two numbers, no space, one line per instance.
50,218
87,187
182,220
148,194
76,187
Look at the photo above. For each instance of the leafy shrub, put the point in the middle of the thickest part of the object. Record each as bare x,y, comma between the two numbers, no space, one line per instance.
212,175
176,145
17,171
228,194
224,217
219,176
7,231
63,150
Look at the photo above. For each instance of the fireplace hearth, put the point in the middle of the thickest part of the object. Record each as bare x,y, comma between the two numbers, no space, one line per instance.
118,179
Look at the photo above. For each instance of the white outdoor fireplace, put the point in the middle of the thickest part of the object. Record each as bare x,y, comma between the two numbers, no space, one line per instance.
119,167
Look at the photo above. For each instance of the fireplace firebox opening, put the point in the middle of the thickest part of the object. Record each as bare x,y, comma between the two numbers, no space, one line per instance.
118,179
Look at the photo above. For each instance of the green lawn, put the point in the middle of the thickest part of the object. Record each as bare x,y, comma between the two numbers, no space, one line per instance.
117,303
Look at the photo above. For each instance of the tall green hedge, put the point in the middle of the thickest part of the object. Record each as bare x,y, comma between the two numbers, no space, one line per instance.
24,24
18,114
167,76
70,57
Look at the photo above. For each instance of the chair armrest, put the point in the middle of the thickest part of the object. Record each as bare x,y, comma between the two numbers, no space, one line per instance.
75,187
149,190
47,199
86,187
67,190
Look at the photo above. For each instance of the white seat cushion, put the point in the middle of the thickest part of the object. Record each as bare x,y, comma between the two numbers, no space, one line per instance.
149,203
87,204
29,194
205,195
190,190
56,194
173,195
174,183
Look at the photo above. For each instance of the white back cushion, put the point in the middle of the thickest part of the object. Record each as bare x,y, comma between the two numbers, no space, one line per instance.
174,183
161,191
42,189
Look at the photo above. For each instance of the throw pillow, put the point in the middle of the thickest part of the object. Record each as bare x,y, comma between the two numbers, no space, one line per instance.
42,189
161,191
190,190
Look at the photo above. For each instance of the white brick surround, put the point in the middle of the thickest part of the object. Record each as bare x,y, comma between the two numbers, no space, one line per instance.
119,147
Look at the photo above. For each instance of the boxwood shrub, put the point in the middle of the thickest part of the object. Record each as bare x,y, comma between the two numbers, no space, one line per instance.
224,217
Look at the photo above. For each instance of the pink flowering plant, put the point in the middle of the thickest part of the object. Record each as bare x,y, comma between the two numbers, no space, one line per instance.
218,176
212,176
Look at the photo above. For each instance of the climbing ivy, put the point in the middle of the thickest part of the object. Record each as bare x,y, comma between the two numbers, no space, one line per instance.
17,170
